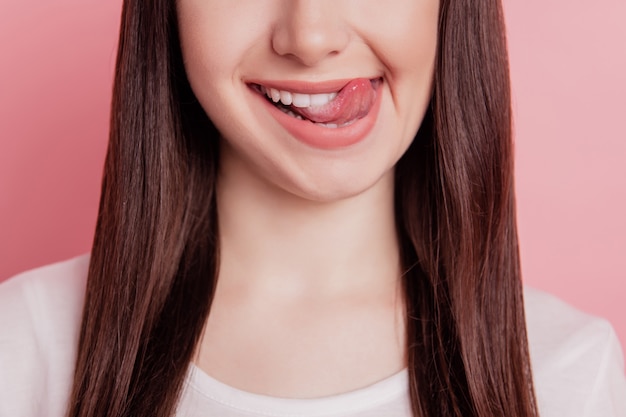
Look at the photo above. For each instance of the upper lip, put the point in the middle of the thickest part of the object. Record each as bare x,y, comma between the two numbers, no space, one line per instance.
306,87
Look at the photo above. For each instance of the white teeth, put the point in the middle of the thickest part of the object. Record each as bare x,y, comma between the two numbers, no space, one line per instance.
285,98
322,99
292,114
274,94
301,100
298,100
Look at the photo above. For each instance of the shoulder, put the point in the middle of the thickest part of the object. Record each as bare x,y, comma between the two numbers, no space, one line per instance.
40,314
577,361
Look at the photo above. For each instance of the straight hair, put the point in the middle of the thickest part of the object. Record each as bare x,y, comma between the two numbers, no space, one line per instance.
155,256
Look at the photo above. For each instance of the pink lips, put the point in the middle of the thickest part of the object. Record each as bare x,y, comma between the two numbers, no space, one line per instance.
356,106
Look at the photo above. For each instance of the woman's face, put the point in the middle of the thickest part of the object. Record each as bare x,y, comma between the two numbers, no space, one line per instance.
319,98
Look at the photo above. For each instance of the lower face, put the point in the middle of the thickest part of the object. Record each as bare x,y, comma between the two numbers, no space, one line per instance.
316,98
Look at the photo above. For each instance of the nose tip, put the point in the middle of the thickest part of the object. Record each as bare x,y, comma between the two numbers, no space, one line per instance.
309,31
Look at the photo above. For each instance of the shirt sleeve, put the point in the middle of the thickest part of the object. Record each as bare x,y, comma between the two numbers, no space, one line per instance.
578,367
40,313
608,397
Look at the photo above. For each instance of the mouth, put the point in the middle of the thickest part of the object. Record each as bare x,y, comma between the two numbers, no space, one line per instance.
327,115
330,108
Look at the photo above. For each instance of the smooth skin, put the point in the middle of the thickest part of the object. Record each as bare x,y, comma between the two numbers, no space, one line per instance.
308,302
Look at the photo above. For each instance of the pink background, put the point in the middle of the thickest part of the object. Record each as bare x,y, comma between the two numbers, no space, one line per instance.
569,77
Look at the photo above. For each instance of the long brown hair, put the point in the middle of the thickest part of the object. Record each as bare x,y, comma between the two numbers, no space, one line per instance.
155,256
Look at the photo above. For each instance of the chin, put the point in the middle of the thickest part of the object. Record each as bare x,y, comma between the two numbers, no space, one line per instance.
324,189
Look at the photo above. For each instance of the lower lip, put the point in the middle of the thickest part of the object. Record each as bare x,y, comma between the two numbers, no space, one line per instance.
324,137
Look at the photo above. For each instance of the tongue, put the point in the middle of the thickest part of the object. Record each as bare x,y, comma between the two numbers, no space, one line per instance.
353,102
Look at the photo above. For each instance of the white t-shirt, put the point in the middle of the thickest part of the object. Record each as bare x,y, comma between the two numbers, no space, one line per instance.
577,361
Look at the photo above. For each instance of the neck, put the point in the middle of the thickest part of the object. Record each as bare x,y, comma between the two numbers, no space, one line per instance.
272,240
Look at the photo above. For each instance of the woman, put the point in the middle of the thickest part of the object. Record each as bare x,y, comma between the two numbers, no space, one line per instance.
304,198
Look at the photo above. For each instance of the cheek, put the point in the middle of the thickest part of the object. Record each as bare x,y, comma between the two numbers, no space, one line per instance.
409,52
203,53
218,37
206,56
406,41
215,35
220,34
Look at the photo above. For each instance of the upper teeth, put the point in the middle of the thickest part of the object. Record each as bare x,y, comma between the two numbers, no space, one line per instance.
298,100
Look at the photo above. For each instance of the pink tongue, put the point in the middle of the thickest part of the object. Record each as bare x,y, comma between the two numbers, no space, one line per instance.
353,102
